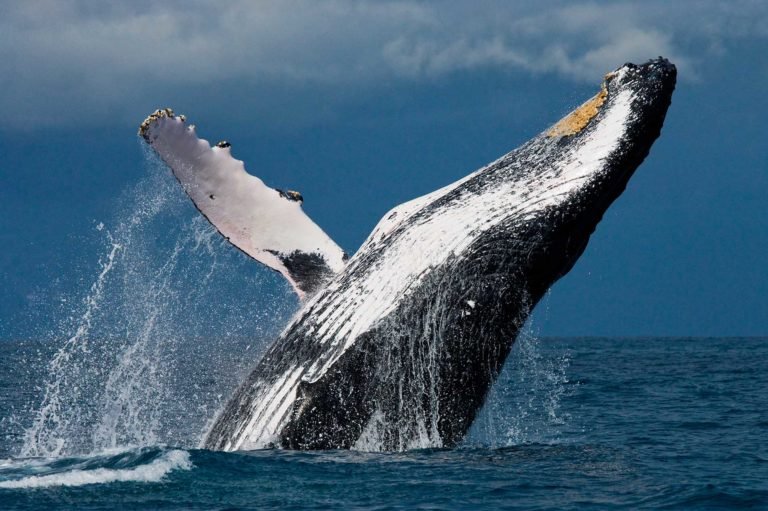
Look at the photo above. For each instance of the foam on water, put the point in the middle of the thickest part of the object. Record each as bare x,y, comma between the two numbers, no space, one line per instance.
154,471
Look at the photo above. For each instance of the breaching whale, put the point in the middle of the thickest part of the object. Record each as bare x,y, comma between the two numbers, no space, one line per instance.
397,346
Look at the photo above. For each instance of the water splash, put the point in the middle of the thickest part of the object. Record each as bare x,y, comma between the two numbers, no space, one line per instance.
524,406
162,335
52,415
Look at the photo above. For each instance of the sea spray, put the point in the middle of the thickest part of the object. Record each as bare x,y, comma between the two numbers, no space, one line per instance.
168,327
137,466
525,404
54,422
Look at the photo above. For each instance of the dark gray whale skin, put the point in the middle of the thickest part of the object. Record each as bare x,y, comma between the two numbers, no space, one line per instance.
424,370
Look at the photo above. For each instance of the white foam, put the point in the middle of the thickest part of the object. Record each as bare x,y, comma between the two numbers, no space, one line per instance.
150,473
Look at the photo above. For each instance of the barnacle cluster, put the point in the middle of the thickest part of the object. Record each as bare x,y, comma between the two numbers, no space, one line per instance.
157,114
291,195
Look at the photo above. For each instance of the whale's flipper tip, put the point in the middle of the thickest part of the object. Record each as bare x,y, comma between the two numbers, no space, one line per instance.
153,117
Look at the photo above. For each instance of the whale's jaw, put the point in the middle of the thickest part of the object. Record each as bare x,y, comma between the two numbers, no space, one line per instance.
400,348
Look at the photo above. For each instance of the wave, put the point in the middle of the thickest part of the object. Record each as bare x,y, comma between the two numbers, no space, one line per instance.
94,471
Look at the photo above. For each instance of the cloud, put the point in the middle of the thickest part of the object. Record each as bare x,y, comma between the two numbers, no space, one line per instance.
95,57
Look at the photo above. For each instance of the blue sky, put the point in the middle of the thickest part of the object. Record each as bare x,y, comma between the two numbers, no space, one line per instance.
363,105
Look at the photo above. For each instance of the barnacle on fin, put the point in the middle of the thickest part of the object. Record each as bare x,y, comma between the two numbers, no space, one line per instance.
290,195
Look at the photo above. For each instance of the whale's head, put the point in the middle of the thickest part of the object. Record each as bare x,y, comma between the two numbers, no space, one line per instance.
650,86
581,165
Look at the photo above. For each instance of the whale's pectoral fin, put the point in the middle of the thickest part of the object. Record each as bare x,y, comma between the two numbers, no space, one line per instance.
266,223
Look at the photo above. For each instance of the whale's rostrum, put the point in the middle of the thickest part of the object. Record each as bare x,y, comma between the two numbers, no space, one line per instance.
397,347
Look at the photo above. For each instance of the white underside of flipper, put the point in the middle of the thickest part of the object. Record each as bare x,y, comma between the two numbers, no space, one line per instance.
267,224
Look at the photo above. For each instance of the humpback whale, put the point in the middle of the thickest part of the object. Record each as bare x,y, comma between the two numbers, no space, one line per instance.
397,346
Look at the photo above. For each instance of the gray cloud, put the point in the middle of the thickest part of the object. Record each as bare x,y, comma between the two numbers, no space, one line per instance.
94,57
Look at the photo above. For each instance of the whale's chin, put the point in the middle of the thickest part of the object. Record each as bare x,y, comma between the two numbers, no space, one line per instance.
398,346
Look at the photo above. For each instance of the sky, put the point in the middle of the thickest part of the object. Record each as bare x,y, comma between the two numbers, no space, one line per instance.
362,105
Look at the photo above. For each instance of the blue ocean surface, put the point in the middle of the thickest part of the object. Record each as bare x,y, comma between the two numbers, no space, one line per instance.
577,423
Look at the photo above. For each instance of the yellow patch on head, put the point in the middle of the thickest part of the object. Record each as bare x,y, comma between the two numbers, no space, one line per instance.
579,118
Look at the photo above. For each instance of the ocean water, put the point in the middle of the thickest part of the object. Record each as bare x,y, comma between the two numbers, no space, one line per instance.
572,424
